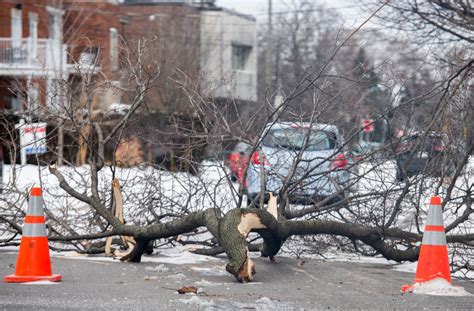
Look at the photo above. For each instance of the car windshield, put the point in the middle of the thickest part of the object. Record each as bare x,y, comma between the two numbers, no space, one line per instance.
294,139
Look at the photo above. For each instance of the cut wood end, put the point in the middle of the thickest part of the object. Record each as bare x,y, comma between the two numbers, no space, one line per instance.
247,271
249,221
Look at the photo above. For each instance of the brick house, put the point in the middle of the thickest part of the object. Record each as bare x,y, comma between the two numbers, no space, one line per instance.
44,42
41,42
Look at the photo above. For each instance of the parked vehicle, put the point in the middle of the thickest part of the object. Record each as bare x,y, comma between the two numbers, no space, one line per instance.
426,154
303,158
373,141
237,160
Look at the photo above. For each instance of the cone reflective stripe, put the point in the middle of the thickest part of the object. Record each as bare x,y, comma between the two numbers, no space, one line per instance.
34,230
433,261
33,262
35,221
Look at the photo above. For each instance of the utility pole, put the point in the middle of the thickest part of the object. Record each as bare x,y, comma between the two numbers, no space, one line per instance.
268,62
61,94
279,100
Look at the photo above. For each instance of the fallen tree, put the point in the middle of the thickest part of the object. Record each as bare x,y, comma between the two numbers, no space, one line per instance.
232,229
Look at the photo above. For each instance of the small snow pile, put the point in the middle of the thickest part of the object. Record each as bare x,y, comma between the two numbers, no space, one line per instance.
264,300
159,268
207,283
265,303
178,276
439,287
197,301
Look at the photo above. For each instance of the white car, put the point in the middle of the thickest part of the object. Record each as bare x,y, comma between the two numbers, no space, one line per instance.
302,159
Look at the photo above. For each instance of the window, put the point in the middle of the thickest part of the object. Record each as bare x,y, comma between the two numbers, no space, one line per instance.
17,96
296,139
16,103
240,56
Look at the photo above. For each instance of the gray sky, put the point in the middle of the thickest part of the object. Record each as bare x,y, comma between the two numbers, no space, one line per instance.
258,8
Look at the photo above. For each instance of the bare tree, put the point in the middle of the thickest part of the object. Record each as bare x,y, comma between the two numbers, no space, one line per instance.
372,213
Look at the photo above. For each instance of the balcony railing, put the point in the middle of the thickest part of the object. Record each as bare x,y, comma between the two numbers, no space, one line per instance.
39,55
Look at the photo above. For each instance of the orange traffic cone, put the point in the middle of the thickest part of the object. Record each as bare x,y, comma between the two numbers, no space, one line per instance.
33,263
433,261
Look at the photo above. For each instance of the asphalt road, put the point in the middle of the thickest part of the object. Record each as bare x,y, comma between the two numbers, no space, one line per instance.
287,284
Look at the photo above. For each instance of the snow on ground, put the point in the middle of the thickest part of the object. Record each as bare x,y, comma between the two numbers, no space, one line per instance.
178,255
439,287
40,283
143,187
214,271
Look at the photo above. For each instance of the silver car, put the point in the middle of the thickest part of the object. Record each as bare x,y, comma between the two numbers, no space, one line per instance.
303,160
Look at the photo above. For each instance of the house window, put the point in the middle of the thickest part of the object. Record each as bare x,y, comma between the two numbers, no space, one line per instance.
17,96
113,48
16,103
240,56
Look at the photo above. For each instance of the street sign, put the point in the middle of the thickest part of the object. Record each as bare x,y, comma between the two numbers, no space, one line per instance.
367,125
32,138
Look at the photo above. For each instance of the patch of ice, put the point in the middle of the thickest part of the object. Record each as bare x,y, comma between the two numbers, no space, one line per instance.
207,283
349,257
198,301
265,303
149,278
439,287
178,276
264,300
40,283
409,267
176,256
159,268
178,259
214,271
71,255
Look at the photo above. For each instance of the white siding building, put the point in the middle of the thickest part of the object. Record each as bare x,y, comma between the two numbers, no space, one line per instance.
229,54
